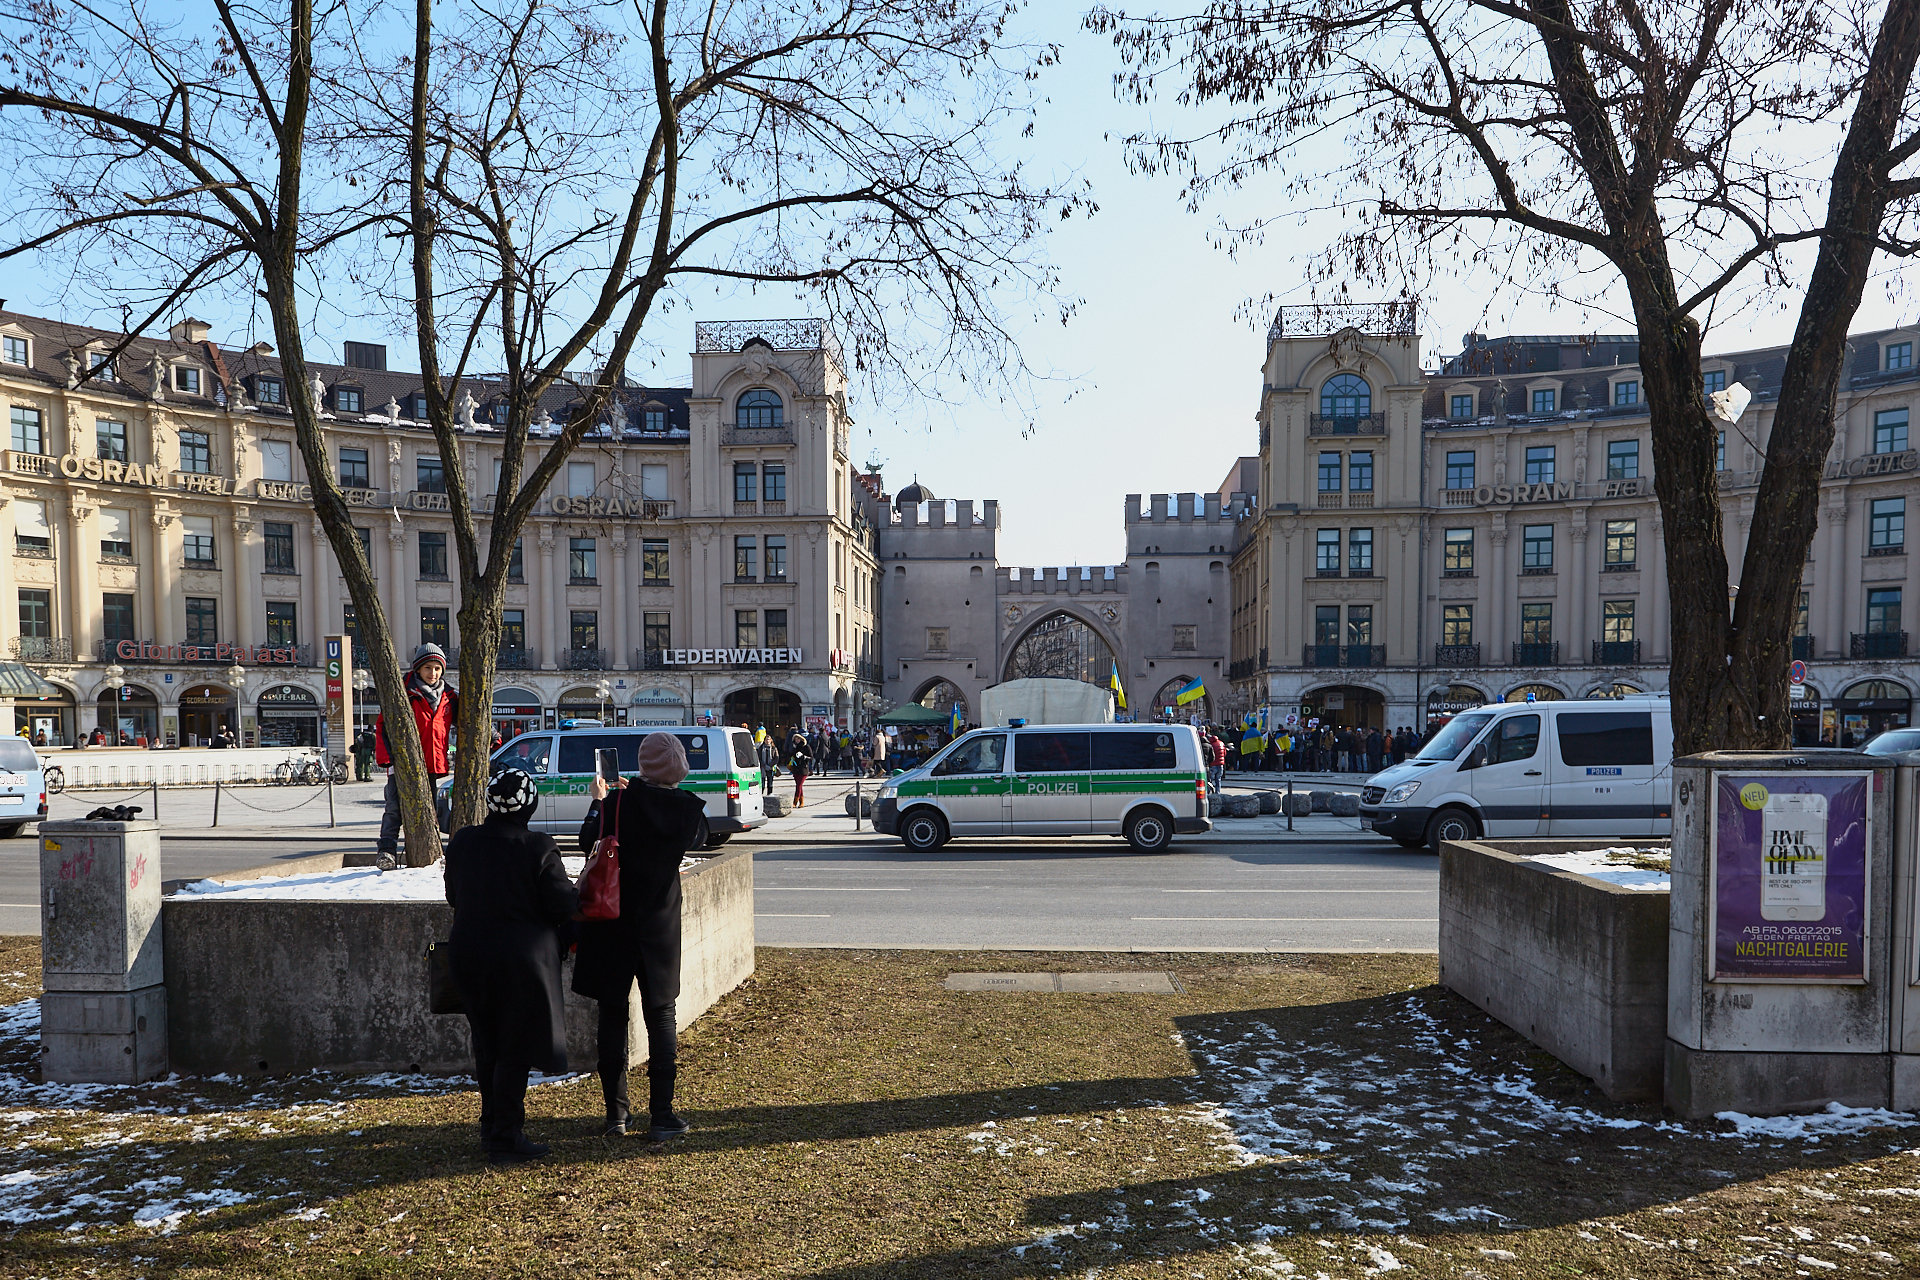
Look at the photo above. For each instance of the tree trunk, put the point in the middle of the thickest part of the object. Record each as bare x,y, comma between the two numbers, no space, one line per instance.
480,605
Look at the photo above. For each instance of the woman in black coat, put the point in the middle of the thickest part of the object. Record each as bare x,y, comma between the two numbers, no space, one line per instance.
657,824
511,899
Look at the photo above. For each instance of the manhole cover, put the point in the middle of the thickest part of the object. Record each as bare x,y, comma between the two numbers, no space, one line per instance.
1147,983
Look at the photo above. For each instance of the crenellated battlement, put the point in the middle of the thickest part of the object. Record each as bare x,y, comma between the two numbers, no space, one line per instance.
1164,508
958,513
1072,580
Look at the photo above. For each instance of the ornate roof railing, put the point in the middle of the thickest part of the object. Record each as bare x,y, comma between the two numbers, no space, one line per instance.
1317,319
782,335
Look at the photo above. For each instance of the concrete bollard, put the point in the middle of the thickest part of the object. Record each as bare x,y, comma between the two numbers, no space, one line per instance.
1344,804
1269,801
1243,806
1296,804
775,806
1321,801
865,803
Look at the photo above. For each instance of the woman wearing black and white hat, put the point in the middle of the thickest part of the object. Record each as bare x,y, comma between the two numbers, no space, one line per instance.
511,900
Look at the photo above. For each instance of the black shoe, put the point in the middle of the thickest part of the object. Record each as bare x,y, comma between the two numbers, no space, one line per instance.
616,1126
385,861
666,1127
517,1151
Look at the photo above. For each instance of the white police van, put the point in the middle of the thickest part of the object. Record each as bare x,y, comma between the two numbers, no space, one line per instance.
1147,782
1598,767
23,786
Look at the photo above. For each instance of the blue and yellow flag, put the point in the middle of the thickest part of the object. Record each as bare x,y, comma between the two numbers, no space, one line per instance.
1119,694
1190,693
953,721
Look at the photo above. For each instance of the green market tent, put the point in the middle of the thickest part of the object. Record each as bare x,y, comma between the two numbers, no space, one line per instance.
913,714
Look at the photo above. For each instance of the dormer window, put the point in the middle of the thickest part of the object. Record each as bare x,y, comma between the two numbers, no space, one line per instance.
653,420
1626,393
347,399
759,408
269,390
187,380
101,364
500,413
1899,355
16,350
1714,380
1543,401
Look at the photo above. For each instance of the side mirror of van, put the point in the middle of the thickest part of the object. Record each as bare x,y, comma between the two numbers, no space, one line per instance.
1476,757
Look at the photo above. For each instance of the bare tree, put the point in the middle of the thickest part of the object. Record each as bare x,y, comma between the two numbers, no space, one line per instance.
842,150
1664,143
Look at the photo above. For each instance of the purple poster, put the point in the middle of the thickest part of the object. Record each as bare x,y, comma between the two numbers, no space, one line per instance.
1790,877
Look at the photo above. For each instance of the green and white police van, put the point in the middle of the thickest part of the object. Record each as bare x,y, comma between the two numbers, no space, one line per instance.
1145,782
723,771
23,787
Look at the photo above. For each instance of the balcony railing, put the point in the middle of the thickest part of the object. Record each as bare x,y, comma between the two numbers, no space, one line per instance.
1612,653
586,660
30,464
1456,655
869,673
32,550
1879,644
508,658
41,648
1359,424
1456,497
1343,655
1890,549
1247,666
1536,653
649,660
1803,648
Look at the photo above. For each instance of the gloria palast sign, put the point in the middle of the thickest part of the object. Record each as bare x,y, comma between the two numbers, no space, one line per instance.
261,655
730,657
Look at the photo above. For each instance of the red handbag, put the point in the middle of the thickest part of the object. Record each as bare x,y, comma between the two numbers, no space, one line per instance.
599,882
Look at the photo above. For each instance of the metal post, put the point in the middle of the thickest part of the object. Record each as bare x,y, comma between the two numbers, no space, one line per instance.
330,821
216,802
156,799
1289,804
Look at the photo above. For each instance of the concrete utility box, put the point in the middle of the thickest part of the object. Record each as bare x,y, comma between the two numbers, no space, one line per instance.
1781,969
103,1017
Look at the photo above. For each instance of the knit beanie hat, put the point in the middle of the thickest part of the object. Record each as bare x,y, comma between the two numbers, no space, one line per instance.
663,761
512,794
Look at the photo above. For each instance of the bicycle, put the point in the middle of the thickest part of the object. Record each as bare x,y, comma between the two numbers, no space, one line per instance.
56,779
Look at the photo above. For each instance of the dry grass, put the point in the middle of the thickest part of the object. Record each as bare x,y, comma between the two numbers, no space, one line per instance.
1298,1116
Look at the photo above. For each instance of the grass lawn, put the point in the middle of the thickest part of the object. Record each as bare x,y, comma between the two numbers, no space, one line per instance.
1284,1116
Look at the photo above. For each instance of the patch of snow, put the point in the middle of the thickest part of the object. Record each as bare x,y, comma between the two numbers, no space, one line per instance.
1836,1119
21,1019
1600,864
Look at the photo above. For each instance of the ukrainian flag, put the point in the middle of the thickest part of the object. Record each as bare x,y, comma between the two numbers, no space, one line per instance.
1190,693
1113,682
954,720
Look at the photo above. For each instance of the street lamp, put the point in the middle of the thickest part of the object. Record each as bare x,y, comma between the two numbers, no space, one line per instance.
605,691
237,677
362,681
116,681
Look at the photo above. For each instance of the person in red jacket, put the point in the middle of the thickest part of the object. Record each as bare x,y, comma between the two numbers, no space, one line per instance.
435,708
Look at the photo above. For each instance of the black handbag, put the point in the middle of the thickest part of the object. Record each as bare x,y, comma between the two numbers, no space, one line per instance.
442,995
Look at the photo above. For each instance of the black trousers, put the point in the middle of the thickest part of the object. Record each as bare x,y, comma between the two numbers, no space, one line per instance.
503,1086
663,1049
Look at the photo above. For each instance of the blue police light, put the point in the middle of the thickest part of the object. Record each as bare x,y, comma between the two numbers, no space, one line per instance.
1019,722
1530,697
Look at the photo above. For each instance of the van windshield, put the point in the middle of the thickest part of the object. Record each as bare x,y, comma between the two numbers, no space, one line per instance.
1453,739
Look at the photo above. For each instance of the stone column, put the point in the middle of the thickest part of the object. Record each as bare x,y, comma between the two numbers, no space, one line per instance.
159,561
7,597
83,578
324,574
1833,571
619,599
1658,648
239,577
394,598
1572,631
553,634
1503,586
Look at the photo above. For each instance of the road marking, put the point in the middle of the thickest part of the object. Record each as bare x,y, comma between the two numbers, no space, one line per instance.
1430,889
1301,919
784,915
822,888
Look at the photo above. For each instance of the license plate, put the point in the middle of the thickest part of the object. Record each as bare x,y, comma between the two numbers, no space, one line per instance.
13,799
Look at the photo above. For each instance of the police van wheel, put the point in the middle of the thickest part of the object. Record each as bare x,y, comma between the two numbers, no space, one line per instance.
702,837
11,829
923,830
714,842
1150,831
1451,824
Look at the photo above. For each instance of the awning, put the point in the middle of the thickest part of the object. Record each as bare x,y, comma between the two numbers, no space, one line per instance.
913,713
20,681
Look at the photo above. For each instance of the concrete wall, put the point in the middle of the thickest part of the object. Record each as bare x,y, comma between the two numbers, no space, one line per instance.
266,986
1576,965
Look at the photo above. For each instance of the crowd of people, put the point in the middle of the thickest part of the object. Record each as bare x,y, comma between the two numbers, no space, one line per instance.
1327,748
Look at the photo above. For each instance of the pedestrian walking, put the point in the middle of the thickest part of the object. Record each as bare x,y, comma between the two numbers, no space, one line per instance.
879,752
657,825
768,759
799,763
363,755
435,708
511,901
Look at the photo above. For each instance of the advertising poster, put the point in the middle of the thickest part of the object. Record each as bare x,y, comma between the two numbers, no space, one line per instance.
1789,882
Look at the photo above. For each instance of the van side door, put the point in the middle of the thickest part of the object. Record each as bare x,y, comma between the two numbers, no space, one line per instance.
1052,782
973,787
1510,787
1602,773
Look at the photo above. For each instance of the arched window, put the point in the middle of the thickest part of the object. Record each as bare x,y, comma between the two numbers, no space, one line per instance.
1346,396
759,408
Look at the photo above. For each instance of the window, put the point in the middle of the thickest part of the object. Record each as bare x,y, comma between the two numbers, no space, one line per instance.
110,439
1326,624
937,639
1800,614
1536,548
1543,401
1623,459
282,623
513,629
654,420
987,753
1327,553
347,399
116,617
1890,431
433,555
579,479
1456,624
653,481
269,391
1329,473
364,355
1536,624
653,561
366,544
1625,393
433,627
777,558
1540,464
1714,380
517,562
1460,469
1130,751
27,436
499,411
101,365
203,620
36,613
1887,525
1360,552
429,476
279,546
583,629
1605,737
743,481
1360,472
15,351
1617,621
1345,396
759,408
745,551
1457,558
777,628
417,408
196,452
582,560
1620,548
187,380
656,631
746,629
1899,355
1720,451
354,472
349,623
1517,738
196,538
276,460
1460,406
1883,610
1360,624
1186,638
116,533
774,482
1053,752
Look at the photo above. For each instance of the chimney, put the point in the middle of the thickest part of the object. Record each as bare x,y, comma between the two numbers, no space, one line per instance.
190,330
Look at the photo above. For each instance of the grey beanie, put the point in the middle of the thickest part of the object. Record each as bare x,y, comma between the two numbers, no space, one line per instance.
426,651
